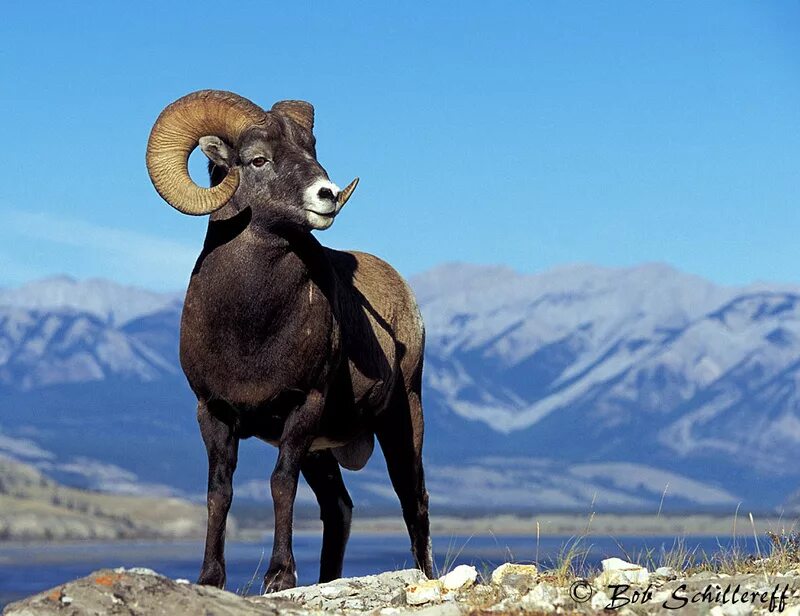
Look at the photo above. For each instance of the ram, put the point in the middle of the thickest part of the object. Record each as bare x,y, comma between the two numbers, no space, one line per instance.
313,350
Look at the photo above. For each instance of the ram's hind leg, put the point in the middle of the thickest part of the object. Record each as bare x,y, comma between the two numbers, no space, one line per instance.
322,472
222,446
400,433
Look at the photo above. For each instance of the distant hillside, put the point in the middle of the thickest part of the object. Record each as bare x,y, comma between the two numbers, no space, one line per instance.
552,391
33,507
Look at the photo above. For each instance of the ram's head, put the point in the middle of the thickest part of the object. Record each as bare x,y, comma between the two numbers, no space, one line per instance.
268,159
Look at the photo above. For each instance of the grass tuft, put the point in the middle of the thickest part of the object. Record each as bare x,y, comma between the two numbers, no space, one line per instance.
256,578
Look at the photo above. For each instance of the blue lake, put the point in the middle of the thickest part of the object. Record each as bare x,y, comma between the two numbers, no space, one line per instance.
25,570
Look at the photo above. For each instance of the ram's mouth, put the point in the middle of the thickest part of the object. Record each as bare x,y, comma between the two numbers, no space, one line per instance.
317,220
323,200
331,212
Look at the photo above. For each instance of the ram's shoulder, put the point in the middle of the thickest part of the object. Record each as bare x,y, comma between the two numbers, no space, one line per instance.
375,279
362,267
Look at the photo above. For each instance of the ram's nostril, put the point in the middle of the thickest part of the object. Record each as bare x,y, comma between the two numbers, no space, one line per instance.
326,193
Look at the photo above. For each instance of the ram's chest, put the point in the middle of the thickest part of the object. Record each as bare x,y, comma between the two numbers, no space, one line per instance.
249,349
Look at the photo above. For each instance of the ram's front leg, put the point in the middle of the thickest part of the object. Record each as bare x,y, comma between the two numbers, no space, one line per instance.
298,433
217,426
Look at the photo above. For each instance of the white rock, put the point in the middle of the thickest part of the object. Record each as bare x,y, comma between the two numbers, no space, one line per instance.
617,564
332,592
716,611
666,572
616,571
137,570
543,597
354,604
729,609
660,597
424,592
460,577
182,581
509,569
600,600
444,609
66,600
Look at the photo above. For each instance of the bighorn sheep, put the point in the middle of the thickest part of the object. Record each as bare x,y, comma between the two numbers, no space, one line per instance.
310,349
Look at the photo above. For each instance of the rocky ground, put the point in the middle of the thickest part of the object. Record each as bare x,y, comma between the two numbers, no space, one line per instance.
620,587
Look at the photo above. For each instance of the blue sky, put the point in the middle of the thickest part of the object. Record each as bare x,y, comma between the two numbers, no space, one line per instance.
531,134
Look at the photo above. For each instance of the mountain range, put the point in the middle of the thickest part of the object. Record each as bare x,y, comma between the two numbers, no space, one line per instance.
580,387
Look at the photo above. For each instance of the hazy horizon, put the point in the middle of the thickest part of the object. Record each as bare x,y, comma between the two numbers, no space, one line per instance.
550,269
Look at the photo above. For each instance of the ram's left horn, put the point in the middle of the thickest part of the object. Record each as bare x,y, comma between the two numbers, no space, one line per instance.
345,194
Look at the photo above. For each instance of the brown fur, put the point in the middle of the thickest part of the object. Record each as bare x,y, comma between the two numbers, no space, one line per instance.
316,351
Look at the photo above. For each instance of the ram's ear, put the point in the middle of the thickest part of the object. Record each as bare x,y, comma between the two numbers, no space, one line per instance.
218,151
300,112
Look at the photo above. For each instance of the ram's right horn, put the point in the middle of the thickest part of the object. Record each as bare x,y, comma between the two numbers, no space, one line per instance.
176,133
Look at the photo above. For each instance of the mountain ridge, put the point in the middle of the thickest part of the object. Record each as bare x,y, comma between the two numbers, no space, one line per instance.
645,372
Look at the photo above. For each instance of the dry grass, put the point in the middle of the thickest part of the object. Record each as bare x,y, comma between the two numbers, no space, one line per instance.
256,578
776,551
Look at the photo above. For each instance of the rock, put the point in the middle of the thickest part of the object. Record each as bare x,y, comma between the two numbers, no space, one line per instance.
740,609
618,571
124,592
143,592
482,596
661,596
462,576
399,593
544,597
139,570
444,609
599,600
429,591
703,575
515,579
371,592
666,572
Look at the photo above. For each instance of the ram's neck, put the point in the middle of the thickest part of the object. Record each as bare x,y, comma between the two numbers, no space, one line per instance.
247,264
251,295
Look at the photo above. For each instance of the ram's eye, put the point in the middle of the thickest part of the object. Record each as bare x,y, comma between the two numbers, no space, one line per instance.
258,161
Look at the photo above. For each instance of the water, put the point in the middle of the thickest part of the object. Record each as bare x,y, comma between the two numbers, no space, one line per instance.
25,570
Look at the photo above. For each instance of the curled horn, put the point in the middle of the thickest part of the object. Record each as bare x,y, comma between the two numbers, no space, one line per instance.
176,133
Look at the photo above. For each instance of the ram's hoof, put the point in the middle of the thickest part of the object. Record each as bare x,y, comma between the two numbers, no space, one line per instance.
275,581
212,575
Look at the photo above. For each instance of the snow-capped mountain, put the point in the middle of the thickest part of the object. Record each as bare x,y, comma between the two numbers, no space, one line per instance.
542,391
110,302
50,347
696,361
60,330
